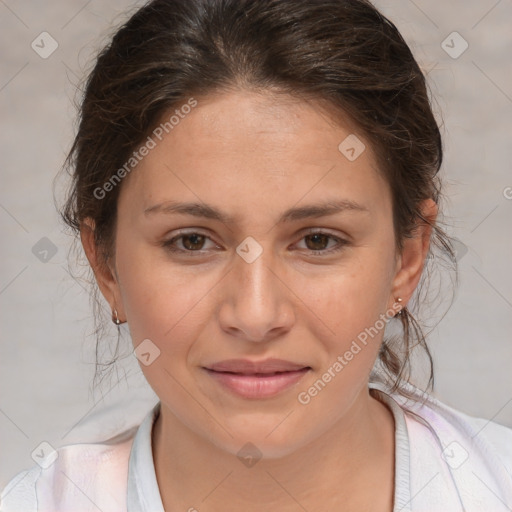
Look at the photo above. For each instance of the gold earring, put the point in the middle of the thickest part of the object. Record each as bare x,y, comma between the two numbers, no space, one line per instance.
116,319
399,301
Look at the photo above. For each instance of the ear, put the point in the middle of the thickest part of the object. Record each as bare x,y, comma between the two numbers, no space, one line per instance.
414,252
104,271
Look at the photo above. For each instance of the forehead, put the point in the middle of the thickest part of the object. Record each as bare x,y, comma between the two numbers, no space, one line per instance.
248,150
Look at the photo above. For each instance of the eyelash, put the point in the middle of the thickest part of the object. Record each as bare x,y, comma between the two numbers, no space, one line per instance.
341,243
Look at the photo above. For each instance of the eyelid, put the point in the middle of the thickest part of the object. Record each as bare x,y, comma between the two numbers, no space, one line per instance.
324,231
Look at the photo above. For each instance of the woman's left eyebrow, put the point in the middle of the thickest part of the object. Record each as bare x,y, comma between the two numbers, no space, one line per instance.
204,210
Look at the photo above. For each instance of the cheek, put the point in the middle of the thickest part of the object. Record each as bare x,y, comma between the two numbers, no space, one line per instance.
163,305
352,304
349,299
160,298
166,309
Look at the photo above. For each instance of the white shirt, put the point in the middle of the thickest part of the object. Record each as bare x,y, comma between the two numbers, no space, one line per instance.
445,461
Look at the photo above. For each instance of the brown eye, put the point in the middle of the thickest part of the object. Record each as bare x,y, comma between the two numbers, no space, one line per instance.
190,244
319,241
193,242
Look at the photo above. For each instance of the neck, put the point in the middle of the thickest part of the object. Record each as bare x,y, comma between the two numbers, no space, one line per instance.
351,465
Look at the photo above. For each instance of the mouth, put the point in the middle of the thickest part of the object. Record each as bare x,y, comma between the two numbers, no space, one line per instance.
256,380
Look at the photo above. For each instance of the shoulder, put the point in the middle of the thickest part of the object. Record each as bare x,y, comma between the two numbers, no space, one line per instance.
480,438
79,477
456,461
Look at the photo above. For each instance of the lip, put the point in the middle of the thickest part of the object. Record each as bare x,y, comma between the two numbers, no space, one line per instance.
248,367
257,380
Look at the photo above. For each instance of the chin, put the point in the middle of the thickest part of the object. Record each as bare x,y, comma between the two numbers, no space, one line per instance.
258,444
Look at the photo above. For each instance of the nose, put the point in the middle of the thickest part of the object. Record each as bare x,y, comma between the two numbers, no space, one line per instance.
256,305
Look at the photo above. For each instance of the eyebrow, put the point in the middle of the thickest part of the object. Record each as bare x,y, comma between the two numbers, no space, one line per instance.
293,214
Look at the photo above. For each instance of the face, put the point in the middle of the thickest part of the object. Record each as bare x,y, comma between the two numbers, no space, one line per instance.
288,253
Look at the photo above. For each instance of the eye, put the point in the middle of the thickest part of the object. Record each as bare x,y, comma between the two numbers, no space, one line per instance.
317,242
191,242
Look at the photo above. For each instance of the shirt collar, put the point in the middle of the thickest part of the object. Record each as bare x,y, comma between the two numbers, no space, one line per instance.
143,493
402,493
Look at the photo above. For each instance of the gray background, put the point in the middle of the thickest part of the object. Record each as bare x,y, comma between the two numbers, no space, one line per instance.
47,351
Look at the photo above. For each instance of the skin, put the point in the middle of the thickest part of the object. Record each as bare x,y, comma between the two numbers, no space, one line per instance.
253,156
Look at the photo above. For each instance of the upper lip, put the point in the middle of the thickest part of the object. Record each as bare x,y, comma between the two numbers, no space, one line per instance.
248,367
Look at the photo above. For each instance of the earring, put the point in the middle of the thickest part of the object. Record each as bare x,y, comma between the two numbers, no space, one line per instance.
399,301
116,319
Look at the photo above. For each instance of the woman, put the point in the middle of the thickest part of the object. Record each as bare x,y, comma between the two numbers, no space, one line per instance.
255,187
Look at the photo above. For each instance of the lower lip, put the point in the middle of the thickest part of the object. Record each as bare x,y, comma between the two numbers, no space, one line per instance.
257,387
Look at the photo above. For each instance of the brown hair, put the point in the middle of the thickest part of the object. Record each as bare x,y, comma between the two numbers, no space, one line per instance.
341,52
